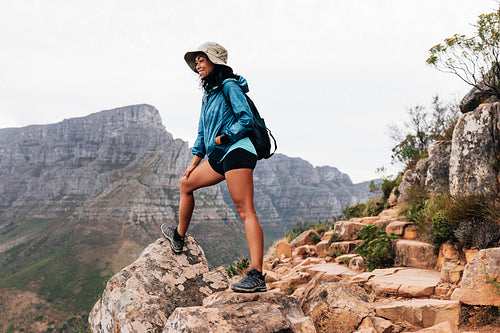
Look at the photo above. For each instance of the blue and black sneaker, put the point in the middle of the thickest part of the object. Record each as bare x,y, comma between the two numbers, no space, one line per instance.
253,282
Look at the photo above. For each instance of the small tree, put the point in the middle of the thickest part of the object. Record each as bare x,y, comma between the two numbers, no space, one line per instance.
474,59
425,126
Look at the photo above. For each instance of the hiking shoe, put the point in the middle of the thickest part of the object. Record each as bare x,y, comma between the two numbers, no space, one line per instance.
168,232
253,282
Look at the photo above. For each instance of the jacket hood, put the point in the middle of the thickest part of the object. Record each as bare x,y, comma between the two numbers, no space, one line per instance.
242,82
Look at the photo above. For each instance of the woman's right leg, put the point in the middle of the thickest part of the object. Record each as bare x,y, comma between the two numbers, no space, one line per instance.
202,176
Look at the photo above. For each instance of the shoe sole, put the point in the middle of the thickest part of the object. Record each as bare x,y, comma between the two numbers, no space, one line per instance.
253,290
170,240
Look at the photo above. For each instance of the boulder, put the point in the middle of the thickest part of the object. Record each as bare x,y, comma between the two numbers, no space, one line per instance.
475,97
305,238
476,288
357,264
397,227
411,232
378,324
345,247
283,249
334,306
473,160
448,253
415,177
451,272
142,296
437,179
348,230
421,313
235,312
407,282
416,254
322,248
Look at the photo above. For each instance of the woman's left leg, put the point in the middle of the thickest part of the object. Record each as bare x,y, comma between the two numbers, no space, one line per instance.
240,185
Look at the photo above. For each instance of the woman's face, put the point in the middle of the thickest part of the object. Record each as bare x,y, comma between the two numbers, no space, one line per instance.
203,65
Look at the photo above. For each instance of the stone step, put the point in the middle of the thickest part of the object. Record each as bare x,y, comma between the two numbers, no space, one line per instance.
421,313
411,253
400,281
333,269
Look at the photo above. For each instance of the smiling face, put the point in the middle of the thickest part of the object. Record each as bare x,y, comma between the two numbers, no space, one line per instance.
203,65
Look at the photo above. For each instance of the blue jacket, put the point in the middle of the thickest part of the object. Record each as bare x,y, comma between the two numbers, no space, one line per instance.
217,117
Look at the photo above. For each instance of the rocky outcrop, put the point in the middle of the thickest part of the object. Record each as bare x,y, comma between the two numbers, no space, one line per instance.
413,177
474,152
335,306
437,179
231,312
481,279
141,297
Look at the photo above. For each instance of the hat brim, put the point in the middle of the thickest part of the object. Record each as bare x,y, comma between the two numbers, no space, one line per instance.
190,56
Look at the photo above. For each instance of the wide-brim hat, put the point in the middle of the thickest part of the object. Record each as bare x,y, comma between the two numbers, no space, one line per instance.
216,53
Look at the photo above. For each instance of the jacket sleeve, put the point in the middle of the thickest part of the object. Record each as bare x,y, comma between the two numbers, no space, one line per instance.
238,102
199,144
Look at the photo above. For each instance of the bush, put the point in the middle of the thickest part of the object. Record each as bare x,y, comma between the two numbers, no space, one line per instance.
374,206
354,211
441,230
239,267
315,238
334,238
377,248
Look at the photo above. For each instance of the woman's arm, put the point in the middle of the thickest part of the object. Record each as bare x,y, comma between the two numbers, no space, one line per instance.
196,161
238,102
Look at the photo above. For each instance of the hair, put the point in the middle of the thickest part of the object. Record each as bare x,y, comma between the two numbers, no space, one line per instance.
215,78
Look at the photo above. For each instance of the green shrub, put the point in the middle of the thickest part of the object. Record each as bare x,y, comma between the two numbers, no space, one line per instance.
374,206
377,247
354,211
337,252
441,230
334,238
239,267
315,237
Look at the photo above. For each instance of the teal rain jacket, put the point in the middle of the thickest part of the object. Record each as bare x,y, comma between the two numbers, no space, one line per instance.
217,117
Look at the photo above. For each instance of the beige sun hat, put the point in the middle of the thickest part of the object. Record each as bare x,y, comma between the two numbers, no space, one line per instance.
215,52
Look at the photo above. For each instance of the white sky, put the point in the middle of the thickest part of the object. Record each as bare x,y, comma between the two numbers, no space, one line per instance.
327,75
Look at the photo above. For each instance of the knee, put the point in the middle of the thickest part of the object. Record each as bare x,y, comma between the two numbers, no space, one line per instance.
184,185
244,210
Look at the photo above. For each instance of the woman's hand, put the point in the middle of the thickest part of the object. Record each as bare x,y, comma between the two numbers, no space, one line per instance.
217,140
194,165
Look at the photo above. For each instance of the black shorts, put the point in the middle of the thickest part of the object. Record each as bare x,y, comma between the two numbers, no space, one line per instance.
237,159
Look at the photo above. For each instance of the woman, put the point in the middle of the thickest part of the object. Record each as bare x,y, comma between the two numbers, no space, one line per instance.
224,125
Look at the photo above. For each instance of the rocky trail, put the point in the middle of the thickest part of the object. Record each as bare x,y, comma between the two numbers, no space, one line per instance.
313,287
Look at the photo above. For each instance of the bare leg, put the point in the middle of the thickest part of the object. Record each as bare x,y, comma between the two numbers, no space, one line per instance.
200,177
240,185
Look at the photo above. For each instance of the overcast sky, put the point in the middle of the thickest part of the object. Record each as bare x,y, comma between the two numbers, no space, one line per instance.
328,76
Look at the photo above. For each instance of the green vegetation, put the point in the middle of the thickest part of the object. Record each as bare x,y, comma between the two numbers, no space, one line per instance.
240,266
473,59
426,125
334,238
62,280
470,220
354,211
300,227
377,248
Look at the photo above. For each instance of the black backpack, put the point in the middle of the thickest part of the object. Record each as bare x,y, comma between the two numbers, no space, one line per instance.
261,135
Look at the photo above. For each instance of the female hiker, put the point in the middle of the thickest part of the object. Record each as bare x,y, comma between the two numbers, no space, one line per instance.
224,125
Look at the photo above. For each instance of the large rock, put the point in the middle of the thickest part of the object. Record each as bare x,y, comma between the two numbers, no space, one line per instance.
476,96
475,289
421,313
407,282
415,254
233,312
335,306
347,230
308,237
437,180
413,177
473,161
142,296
